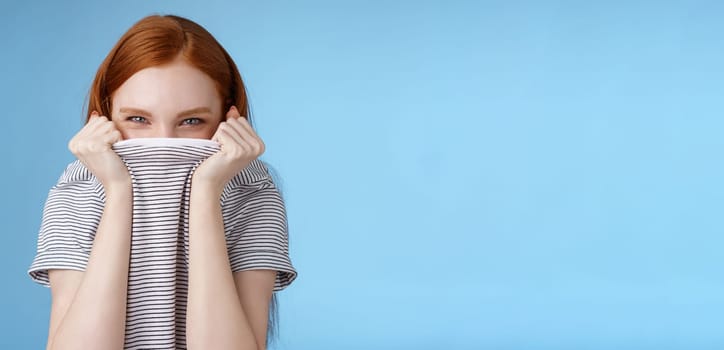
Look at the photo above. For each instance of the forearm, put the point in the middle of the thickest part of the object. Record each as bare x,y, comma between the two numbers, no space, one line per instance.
214,316
96,317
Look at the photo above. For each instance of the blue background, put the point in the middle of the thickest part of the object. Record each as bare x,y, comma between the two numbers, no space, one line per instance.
458,175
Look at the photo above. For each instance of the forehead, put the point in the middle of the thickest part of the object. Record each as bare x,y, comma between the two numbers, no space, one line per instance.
177,85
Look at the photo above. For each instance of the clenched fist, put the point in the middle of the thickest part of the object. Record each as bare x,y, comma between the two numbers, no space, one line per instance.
239,146
92,146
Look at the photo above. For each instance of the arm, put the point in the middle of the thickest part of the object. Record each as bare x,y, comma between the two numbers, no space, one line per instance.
255,288
215,318
89,308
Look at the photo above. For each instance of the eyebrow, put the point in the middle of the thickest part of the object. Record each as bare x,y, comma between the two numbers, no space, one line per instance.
197,110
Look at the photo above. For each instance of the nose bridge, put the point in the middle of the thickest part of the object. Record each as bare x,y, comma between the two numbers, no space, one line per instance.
166,130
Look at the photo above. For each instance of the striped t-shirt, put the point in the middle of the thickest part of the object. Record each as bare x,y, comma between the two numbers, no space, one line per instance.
254,221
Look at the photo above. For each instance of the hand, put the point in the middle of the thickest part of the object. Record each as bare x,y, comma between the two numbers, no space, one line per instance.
92,146
239,146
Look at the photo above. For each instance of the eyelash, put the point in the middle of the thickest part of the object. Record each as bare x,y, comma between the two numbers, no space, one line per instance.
131,118
198,121
134,118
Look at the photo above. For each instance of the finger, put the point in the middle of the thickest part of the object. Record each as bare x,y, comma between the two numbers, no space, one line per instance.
244,133
238,128
245,124
215,137
107,126
229,146
233,112
92,122
88,129
112,137
96,118
95,122
234,137
244,130
257,142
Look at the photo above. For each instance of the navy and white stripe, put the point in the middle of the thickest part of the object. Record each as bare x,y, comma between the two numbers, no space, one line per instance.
254,220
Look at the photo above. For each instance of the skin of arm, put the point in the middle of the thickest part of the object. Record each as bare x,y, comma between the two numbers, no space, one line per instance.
89,308
255,288
225,310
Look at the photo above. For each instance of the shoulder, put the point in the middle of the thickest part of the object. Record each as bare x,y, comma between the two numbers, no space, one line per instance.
76,179
254,183
76,172
254,175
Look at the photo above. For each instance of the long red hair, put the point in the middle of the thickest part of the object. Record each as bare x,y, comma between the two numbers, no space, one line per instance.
156,40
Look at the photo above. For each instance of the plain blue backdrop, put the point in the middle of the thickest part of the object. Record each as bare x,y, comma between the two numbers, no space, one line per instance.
458,175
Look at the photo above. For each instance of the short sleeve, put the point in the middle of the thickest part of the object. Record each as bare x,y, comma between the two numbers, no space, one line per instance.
256,230
71,215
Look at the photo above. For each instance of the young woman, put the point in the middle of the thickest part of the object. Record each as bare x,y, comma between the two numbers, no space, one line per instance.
167,77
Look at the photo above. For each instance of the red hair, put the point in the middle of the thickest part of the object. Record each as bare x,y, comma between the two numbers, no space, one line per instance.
156,40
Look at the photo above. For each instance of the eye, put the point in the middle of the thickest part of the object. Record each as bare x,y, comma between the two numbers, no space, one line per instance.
136,119
192,121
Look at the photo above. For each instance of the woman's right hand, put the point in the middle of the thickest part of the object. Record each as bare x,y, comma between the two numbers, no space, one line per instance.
92,146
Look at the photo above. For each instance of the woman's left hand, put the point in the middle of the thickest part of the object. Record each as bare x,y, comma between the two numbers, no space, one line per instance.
239,146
